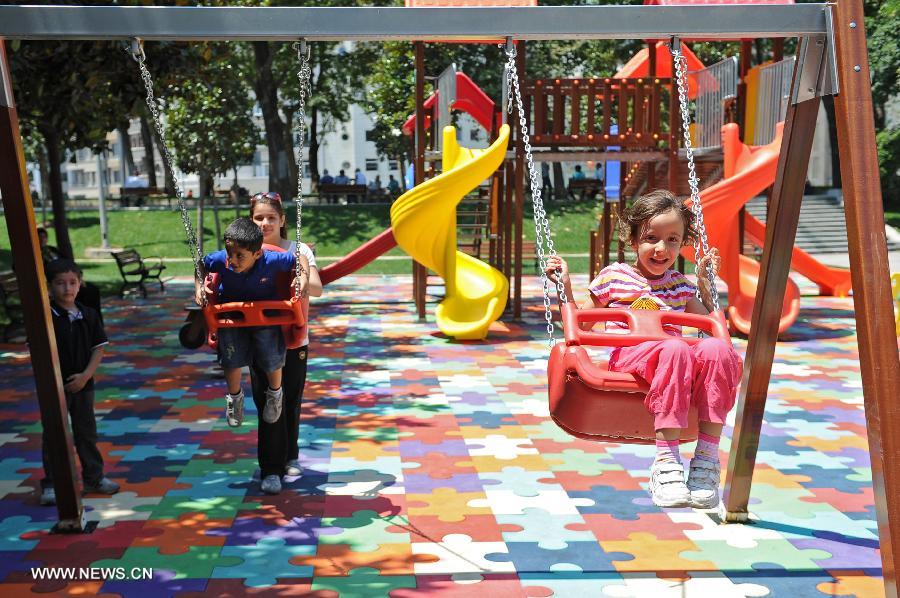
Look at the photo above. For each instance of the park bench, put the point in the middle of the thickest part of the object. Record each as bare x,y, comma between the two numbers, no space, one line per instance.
138,195
354,193
135,271
584,188
12,306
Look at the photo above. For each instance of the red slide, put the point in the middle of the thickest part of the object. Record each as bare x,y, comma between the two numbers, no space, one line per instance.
359,257
833,282
748,172
469,98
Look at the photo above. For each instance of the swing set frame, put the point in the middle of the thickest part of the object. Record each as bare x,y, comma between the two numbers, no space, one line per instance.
832,54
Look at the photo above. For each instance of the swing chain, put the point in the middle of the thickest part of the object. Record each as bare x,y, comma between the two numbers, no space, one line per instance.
701,243
303,76
136,50
541,222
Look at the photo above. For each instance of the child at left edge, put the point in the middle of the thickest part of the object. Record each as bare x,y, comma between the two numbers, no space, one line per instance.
80,340
248,273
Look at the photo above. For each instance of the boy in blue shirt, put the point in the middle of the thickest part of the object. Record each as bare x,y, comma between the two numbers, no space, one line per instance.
247,273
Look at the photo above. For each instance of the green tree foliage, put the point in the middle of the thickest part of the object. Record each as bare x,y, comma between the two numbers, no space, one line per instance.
882,23
64,94
210,118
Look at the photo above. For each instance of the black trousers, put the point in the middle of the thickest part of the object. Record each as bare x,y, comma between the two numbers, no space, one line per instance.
276,443
84,433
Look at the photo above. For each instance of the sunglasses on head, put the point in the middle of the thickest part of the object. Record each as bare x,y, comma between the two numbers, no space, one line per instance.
270,195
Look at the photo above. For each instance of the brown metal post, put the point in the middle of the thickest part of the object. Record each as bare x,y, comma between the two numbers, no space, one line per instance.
519,198
29,267
778,49
420,275
781,229
654,114
674,131
869,269
745,63
607,234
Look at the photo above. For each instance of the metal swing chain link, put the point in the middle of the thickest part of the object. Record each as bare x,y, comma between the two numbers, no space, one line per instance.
701,243
303,76
139,57
541,222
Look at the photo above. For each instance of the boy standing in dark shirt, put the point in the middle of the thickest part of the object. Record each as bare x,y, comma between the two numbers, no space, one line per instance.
79,341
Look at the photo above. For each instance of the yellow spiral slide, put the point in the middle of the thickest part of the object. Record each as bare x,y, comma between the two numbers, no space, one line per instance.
424,223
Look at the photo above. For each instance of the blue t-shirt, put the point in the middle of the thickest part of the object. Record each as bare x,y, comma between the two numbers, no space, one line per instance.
257,284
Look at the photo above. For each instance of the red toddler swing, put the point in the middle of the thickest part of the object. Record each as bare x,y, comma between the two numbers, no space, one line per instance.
587,400
289,313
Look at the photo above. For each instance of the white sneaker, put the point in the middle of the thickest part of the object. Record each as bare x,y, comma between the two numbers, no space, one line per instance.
272,408
234,408
703,483
667,487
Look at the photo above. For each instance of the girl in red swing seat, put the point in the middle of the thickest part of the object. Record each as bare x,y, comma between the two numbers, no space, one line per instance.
657,226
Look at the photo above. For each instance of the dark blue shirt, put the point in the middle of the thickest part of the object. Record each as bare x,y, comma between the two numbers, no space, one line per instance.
257,284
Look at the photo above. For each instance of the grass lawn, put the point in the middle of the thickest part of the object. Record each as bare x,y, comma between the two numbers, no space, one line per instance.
892,218
336,230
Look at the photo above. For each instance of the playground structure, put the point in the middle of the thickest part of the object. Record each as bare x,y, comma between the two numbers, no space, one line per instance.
879,364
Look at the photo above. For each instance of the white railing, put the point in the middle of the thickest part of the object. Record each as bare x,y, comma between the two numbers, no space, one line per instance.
772,99
716,84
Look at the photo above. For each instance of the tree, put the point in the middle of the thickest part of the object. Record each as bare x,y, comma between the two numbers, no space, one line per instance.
882,23
63,94
210,118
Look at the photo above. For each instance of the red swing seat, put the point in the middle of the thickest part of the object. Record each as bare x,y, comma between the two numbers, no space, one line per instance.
290,314
589,401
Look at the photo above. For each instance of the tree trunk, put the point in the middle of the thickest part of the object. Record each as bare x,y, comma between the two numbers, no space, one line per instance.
45,184
401,162
559,183
169,181
149,158
267,95
60,223
127,154
313,155
289,142
204,190
828,102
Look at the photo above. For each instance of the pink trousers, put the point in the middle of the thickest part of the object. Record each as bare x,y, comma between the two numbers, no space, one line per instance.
705,374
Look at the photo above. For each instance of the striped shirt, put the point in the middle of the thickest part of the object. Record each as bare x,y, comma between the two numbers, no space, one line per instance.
623,286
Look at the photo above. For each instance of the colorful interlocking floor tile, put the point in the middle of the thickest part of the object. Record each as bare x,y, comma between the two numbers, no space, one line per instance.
431,468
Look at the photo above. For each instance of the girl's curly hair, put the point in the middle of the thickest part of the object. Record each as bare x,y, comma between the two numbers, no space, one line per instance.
635,219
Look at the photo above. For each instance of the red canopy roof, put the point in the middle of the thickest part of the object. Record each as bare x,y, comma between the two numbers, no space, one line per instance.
692,2
639,65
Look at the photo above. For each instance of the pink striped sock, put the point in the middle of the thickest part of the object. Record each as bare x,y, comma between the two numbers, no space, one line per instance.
707,447
667,450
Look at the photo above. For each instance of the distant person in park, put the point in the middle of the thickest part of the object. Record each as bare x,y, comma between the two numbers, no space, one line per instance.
341,178
326,179
598,173
135,180
375,186
393,185
277,442
578,175
89,294
546,181
80,339
359,178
